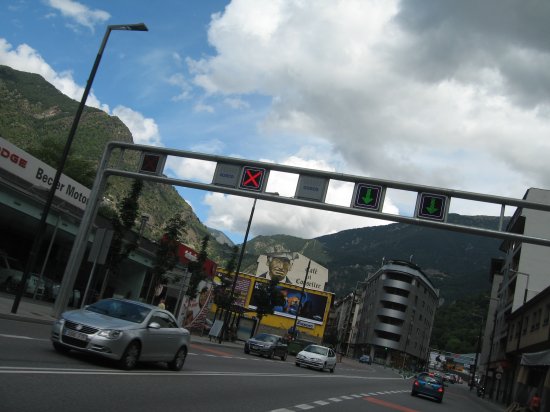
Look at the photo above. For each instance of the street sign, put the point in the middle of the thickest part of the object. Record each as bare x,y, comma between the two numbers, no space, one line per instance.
152,163
226,175
431,206
366,196
253,178
312,188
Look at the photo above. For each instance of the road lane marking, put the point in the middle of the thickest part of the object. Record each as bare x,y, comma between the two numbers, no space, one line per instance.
321,403
313,404
390,405
2,335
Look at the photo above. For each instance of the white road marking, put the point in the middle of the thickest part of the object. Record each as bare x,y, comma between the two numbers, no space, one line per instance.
304,407
21,337
321,403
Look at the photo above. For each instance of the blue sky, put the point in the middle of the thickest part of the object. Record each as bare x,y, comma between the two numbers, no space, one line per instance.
434,92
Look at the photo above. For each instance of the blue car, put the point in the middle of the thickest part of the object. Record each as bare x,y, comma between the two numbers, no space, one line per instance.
428,384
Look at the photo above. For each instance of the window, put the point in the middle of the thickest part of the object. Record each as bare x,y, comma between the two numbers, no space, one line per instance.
525,325
546,315
164,320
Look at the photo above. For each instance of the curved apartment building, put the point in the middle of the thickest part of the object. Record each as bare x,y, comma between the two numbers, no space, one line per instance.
395,314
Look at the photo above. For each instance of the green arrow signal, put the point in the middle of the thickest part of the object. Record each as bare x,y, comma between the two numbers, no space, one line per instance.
431,208
367,198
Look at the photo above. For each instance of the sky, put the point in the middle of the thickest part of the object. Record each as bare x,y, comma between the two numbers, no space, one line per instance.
440,93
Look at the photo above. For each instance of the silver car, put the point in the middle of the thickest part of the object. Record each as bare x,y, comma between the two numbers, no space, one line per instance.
123,330
318,357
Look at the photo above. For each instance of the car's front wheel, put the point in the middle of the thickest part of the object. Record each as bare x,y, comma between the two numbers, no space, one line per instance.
130,356
332,369
283,356
179,359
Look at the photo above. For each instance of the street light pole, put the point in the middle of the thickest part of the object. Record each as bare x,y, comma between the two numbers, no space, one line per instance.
294,331
226,316
40,230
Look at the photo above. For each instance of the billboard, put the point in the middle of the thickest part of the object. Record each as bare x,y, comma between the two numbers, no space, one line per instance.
313,305
290,268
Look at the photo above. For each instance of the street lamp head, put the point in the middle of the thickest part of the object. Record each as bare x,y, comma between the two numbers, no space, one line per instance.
131,27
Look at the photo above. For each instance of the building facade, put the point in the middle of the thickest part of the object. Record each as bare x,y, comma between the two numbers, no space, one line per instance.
519,310
396,315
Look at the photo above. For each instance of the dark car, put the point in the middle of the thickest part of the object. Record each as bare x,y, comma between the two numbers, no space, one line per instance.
268,345
365,359
429,385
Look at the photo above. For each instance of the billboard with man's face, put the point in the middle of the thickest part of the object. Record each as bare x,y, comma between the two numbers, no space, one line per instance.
313,305
290,268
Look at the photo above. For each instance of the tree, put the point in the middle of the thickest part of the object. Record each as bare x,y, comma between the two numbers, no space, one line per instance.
76,166
197,269
266,297
122,223
222,291
167,257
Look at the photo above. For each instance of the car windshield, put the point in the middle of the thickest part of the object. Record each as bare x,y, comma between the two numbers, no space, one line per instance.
319,350
120,309
266,338
429,378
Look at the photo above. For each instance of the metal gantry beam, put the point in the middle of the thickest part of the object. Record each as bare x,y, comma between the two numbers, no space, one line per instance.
248,178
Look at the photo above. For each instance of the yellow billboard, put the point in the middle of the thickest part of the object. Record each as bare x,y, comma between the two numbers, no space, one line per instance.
313,315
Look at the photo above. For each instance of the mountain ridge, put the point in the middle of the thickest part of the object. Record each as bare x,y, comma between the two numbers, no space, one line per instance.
34,114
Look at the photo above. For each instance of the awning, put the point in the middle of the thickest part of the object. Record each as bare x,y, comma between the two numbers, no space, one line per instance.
536,358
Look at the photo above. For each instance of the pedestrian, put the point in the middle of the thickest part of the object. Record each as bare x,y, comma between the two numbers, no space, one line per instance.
162,305
534,403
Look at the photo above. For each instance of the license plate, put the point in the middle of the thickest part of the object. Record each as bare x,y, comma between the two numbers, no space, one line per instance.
75,334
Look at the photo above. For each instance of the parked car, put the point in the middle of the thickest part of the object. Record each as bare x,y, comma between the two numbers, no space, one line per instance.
318,357
268,345
11,274
365,359
123,330
429,385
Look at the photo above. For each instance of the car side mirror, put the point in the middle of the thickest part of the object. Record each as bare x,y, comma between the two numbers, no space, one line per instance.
154,325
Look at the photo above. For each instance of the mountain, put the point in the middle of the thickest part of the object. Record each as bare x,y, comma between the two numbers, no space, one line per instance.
35,116
457,263
220,237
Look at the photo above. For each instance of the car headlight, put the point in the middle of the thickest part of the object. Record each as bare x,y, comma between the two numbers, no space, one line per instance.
110,333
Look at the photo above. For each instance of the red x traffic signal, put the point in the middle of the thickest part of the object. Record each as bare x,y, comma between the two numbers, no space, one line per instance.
253,178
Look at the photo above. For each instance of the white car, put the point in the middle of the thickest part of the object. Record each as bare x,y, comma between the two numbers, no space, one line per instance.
318,357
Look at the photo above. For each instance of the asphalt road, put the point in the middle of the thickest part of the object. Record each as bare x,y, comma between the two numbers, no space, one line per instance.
33,377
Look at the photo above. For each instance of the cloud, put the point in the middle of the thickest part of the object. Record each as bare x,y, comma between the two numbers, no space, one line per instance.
144,130
25,58
434,93
80,13
178,80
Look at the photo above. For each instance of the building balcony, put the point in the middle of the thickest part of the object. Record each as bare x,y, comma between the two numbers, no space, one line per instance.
391,313
390,297
385,343
386,327
398,284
